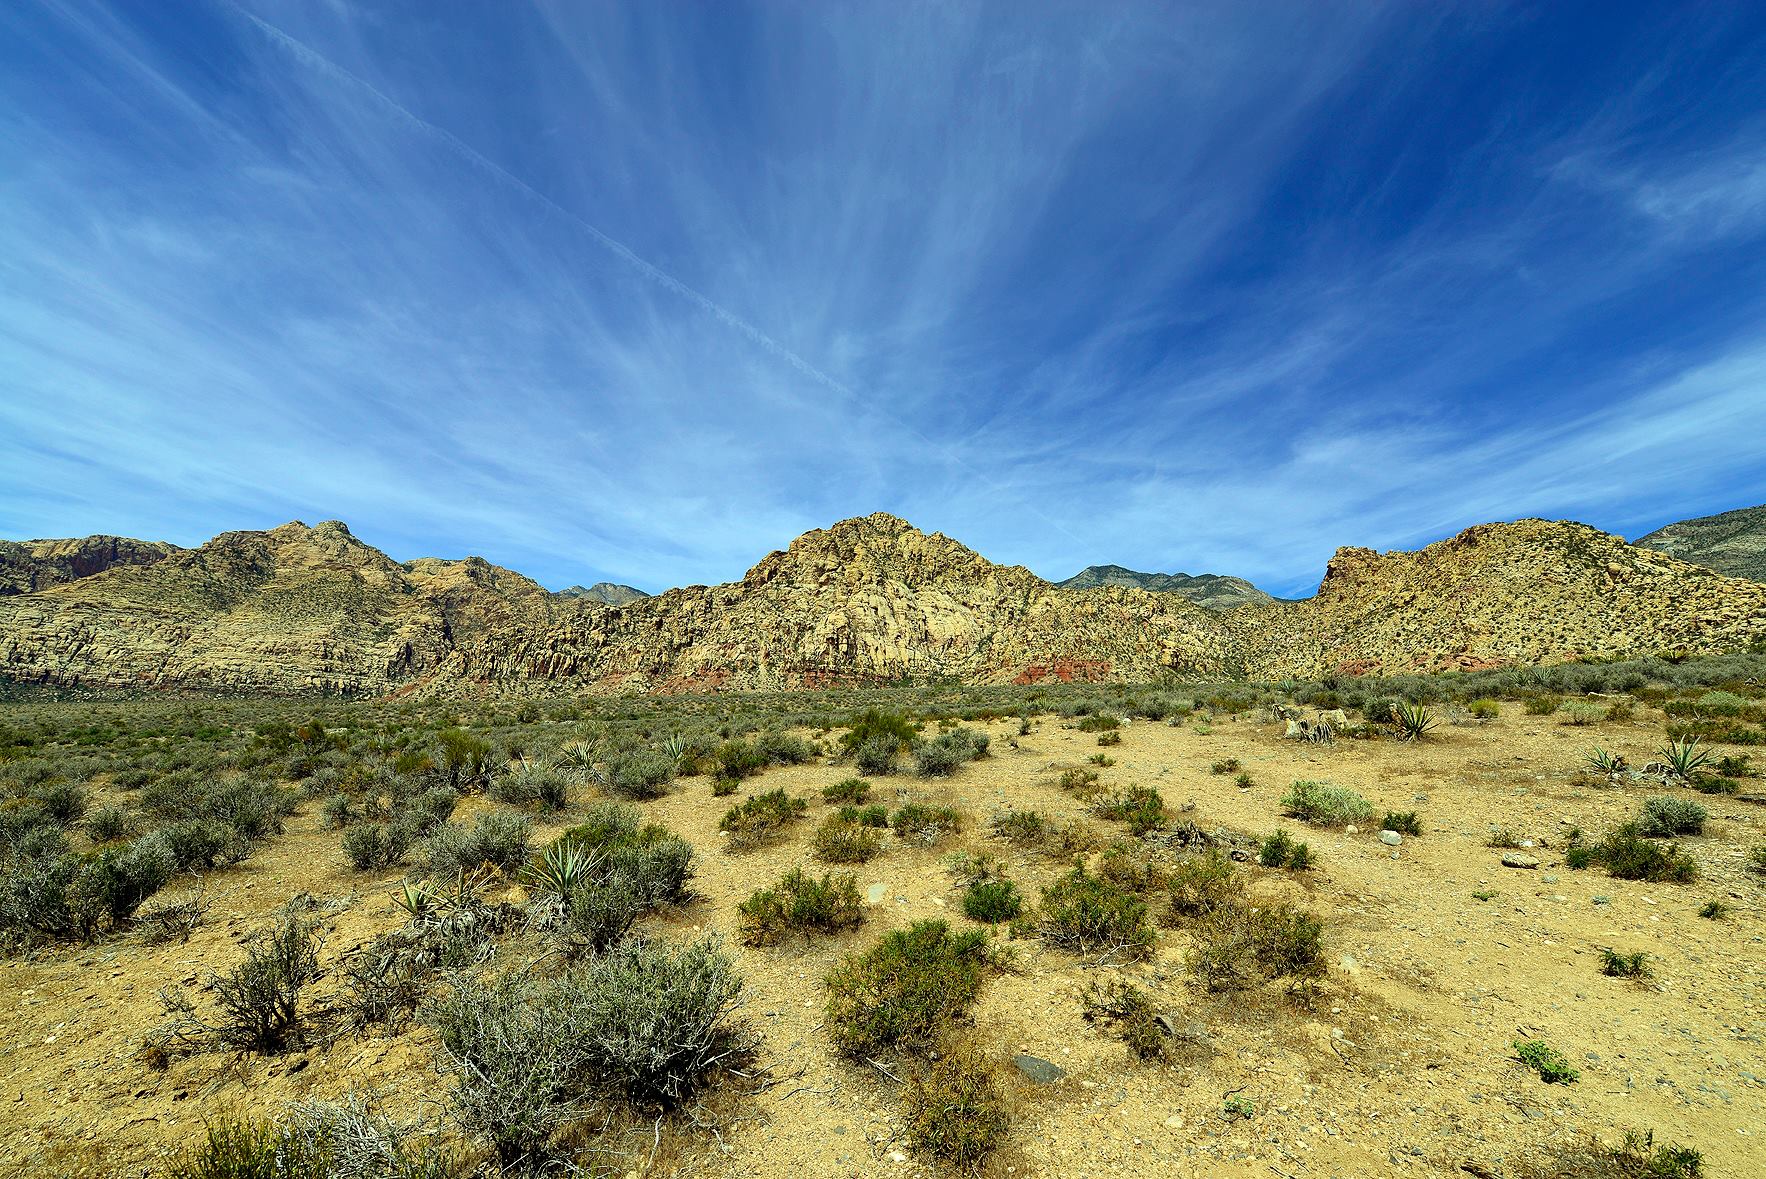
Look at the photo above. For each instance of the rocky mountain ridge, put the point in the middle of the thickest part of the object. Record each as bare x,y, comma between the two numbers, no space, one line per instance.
1215,590
1733,543
607,592
299,609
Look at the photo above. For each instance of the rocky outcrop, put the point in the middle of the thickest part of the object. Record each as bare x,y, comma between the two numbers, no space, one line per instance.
1529,592
27,566
868,600
1733,543
608,593
1213,590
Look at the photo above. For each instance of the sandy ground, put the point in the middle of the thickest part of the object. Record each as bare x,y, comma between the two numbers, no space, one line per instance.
1403,1066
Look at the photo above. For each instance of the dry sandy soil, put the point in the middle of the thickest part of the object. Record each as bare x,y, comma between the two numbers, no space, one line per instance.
1403,1066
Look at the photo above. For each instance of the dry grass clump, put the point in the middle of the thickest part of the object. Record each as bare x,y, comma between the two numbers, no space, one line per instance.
1238,947
841,841
1325,805
955,1112
1129,1013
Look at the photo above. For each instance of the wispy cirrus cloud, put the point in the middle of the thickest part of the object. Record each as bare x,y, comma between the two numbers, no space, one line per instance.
640,292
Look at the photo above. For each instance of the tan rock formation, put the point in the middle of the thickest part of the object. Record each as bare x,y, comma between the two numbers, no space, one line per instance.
871,599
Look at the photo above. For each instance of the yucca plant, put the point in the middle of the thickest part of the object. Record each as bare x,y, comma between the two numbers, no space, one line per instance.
1603,762
562,869
1685,758
1412,721
674,746
418,902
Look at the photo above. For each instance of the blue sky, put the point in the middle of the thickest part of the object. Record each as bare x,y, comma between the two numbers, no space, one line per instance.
640,291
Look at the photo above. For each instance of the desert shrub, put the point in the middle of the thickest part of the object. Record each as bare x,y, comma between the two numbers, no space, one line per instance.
1403,822
782,749
800,905
203,843
1636,1157
1664,815
1111,738
993,901
838,841
739,759
645,1022
847,792
1548,1062
113,883
533,783
877,755
1229,765
1201,884
340,811
1021,828
646,861
761,818
639,774
1714,911
1627,855
954,1111
1086,914
1140,807
905,990
1484,709
1078,780
1757,859
1381,710
938,758
376,845
875,815
63,802
1133,870
1281,850
1101,722
1127,1010
258,1001
1615,964
1325,805
497,838
251,1150
723,787
875,740
465,761
1239,947
1543,704
923,824
1582,712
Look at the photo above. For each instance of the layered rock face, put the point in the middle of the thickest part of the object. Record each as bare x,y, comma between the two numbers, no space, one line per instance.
298,609
1214,590
1733,543
30,565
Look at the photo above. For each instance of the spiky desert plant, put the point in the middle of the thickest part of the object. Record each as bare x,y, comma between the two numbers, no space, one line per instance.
1412,721
1602,762
562,868
1685,758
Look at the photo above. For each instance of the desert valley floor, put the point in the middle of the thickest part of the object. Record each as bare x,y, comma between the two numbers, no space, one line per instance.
1440,958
